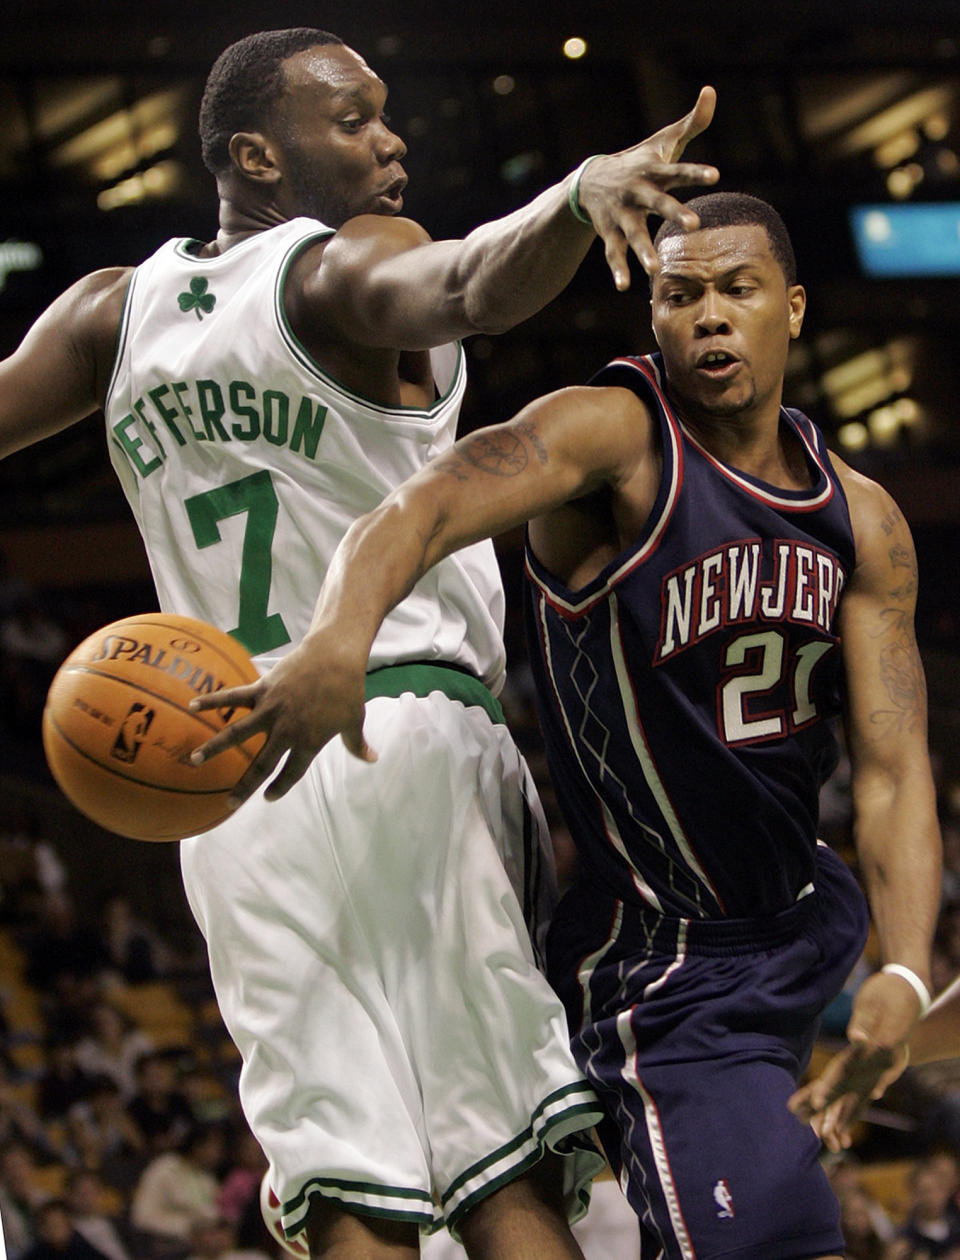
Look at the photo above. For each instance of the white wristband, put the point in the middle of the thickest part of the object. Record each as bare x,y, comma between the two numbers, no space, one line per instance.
914,981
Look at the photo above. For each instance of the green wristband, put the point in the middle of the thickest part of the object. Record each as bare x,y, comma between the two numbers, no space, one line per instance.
573,196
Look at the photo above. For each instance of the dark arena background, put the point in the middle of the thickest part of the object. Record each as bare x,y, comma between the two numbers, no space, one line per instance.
843,113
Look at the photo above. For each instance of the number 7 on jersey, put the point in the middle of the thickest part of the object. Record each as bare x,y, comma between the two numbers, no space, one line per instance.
255,496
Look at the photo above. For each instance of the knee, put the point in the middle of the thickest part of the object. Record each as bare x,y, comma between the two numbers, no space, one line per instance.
333,1232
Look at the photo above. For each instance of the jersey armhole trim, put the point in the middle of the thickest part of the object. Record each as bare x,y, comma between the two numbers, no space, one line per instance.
123,329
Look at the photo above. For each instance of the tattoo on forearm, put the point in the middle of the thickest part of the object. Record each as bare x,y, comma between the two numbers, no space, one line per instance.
502,454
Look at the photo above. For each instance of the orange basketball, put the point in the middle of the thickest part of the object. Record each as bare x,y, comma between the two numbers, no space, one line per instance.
118,732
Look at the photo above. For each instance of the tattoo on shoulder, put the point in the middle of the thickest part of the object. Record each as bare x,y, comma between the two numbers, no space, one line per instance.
898,617
501,454
889,522
902,557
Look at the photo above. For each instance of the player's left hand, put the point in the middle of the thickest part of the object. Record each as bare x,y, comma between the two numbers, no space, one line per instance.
312,695
838,1097
619,191
885,1011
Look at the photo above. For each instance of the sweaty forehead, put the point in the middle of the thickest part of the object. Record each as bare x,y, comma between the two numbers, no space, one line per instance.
333,69
715,251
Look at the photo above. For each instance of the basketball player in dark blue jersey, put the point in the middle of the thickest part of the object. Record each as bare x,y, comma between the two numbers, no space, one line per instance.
708,589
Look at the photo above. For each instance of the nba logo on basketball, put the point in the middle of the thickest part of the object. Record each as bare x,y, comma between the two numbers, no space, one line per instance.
133,730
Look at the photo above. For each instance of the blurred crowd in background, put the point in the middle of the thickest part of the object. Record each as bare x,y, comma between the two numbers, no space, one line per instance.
121,1135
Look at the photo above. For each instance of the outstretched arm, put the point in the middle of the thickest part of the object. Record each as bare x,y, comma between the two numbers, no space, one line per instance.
557,449
383,283
895,820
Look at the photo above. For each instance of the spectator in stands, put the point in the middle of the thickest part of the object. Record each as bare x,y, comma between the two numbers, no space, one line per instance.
178,1191
216,1240
113,1046
846,1179
133,952
31,865
20,1198
859,1230
159,1109
63,1081
103,1137
33,646
212,1091
241,1181
84,1194
18,1120
64,958
932,1228
947,1164
56,1237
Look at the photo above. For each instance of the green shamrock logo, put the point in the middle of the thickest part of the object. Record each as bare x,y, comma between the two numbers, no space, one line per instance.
198,299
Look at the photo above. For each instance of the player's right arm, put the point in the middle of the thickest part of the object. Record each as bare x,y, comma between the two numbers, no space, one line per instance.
60,371
558,449
384,284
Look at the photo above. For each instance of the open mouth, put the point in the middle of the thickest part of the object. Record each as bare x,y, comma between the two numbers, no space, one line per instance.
393,193
717,363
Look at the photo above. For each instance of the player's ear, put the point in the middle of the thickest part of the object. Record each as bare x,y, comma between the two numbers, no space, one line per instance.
254,156
797,302
653,324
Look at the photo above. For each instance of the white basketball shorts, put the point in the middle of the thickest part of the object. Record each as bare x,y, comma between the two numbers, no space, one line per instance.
402,1053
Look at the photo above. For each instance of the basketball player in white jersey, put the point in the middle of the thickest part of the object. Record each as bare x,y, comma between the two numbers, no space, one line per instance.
405,1064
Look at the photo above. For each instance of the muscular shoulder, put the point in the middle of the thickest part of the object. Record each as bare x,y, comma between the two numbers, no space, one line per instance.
607,433
94,304
604,431
327,278
879,527
89,314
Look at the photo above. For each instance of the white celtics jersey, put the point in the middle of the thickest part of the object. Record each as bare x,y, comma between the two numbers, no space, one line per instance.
245,463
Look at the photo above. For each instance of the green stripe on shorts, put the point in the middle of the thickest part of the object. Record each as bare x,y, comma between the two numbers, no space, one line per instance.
420,678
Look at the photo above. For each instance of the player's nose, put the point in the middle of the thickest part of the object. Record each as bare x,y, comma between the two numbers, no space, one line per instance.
390,147
711,316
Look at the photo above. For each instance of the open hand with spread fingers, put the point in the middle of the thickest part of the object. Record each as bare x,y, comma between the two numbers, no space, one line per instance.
617,192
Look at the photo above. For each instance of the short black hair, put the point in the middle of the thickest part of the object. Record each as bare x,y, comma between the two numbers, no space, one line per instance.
245,83
731,209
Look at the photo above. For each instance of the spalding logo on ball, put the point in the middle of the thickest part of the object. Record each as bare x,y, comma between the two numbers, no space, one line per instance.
118,731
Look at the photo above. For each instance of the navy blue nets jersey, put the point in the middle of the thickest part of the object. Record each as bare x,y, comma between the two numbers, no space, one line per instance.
687,695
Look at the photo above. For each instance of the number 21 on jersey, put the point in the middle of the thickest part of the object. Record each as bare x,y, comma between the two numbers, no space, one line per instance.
758,663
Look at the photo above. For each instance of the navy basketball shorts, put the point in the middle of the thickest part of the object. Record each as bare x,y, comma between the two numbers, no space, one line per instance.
694,1035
